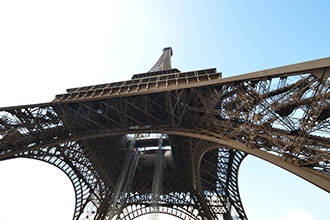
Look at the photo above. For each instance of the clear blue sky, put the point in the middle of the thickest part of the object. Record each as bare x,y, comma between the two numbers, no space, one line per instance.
48,46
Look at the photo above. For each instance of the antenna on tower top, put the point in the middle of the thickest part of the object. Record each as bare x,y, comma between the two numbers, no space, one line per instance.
164,62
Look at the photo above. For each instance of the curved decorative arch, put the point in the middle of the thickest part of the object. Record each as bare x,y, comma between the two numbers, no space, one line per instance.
316,177
182,205
137,211
83,187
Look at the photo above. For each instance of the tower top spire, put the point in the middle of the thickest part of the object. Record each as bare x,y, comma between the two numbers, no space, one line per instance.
168,49
164,62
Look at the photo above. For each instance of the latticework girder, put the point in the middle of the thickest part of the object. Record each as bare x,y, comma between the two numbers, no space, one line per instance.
164,62
281,115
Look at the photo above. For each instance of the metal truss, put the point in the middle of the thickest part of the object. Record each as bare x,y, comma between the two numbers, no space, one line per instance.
281,115
164,62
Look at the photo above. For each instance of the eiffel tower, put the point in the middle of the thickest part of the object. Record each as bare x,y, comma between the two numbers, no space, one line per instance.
172,142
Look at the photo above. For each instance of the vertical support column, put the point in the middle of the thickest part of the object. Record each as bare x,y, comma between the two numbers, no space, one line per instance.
157,184
122,183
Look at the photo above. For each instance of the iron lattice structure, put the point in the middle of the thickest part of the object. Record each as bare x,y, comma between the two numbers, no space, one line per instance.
104,136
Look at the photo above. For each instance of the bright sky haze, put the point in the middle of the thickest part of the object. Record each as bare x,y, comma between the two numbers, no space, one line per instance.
49,46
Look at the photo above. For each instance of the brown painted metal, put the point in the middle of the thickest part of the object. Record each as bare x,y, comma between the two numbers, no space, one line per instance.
281,115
